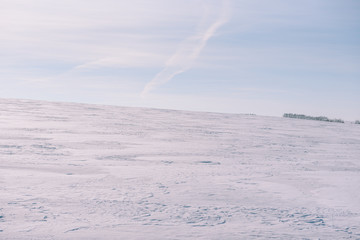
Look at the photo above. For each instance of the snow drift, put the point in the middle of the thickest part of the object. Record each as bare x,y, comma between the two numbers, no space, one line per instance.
77,171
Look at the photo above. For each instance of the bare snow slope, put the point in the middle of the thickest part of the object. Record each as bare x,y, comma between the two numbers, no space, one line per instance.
76,171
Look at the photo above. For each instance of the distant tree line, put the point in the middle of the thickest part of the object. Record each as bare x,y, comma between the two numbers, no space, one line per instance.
357,122
321,118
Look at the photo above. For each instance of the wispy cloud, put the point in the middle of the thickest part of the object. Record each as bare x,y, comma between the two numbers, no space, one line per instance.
125,59
183,59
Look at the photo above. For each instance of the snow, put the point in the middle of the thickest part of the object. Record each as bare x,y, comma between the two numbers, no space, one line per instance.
77,171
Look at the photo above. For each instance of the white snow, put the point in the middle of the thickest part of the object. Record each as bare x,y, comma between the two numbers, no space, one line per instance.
77,171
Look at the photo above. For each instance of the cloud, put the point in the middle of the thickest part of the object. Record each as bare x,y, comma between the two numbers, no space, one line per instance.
188,51
98,33
125,59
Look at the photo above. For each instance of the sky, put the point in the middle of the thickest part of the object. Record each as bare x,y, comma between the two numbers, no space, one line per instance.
232,56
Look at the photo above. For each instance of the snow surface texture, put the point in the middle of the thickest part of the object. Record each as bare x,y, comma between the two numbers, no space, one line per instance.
77,171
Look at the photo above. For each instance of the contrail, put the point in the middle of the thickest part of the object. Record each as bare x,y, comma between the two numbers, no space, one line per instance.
188,52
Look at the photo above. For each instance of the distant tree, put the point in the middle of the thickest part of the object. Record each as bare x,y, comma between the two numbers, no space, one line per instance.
320,118
357,122
337,120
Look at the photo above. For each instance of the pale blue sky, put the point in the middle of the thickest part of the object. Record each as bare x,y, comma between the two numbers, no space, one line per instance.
256,56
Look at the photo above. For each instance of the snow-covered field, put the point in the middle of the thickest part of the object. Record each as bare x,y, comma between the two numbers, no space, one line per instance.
76,171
